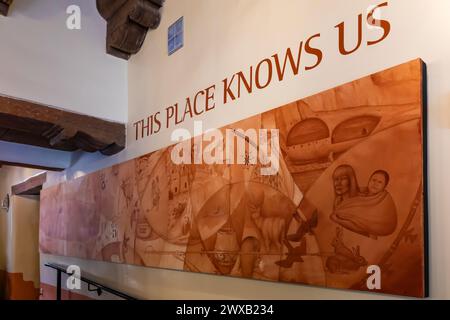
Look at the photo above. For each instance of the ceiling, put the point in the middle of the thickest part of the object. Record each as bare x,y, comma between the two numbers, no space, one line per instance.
28,123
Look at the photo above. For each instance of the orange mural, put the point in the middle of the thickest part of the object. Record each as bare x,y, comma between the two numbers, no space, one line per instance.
348,195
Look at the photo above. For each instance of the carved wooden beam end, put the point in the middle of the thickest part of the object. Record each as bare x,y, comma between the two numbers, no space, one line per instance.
4,6
34,124
128,22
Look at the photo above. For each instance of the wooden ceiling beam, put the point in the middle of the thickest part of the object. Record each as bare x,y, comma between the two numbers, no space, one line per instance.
31,186
35,124
4,6
128,22
30,166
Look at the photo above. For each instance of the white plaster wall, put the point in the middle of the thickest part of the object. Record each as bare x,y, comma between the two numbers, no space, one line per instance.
41,60
224,37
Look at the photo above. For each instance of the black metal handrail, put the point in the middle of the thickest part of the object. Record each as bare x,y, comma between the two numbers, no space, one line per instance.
98,287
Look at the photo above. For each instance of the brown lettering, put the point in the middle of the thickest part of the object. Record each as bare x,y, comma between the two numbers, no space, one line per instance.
170,112
248,86
295,66
187,110
382,23
210,97
196,112
227,91
136,125
269,74
314,51
157,122
341,28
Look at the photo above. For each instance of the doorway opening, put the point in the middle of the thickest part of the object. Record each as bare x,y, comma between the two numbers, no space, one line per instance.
19,232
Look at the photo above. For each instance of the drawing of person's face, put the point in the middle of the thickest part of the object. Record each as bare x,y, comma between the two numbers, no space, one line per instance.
377,183
142,165
341,183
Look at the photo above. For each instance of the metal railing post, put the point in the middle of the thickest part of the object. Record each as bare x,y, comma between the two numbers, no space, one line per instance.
58,285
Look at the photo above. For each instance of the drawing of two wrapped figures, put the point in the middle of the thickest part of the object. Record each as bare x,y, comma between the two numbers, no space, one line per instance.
369,211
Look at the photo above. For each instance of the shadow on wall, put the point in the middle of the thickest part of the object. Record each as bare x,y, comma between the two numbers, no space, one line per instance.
2,284
49,293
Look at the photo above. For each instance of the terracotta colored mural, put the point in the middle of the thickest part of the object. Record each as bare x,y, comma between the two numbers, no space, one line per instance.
349,194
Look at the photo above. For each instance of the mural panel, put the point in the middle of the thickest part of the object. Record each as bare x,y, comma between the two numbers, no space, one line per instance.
348,195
